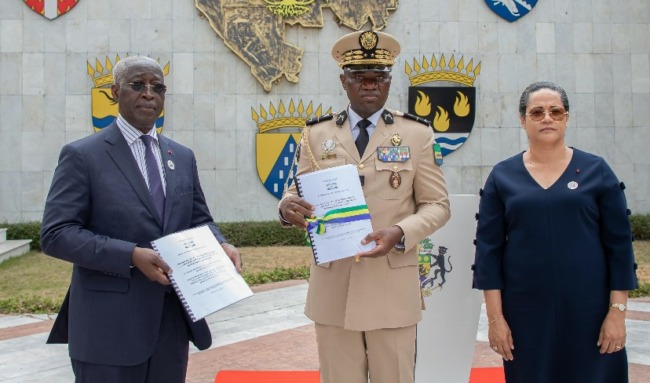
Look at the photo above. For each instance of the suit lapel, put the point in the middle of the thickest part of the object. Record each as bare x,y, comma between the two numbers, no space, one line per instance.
167,155
344,137
121,154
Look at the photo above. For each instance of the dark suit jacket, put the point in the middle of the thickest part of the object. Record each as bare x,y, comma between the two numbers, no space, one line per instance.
98,209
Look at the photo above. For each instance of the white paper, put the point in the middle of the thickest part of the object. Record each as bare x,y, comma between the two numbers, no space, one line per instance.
203,276
329,190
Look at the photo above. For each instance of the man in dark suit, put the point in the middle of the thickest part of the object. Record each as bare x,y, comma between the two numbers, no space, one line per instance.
112,194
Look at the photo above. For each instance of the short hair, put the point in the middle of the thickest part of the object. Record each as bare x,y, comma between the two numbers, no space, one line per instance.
122,66
534,87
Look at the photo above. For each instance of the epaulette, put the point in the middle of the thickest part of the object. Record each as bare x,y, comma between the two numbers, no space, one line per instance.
341,117
316,120
414,118
387,116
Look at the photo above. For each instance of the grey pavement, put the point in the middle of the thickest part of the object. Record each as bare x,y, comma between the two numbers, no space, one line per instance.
26,358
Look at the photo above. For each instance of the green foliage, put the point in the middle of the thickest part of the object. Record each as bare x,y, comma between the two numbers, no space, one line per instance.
240,234
33,304
642,291
276,275
264,233
24,230
640,226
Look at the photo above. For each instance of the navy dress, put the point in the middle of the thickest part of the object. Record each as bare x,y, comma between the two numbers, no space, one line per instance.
556,254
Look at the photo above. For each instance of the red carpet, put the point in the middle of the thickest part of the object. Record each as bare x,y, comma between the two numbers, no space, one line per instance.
478,375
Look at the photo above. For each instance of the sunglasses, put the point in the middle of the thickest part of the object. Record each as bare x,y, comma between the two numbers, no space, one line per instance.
139,86
362,79
557,114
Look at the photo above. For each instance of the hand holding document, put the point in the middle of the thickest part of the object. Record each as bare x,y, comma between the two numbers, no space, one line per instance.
342,218
204,277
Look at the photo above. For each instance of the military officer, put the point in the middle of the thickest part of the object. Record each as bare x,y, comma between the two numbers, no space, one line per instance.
366,308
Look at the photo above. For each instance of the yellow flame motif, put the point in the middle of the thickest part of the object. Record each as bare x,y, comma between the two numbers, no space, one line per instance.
288,8
441,121
422,104
461,106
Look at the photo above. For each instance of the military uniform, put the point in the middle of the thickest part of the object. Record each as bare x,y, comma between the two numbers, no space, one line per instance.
377,300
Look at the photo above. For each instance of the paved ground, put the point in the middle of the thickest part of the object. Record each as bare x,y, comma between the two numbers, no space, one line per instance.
265,332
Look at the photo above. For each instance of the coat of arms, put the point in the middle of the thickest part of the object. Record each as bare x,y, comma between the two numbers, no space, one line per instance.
434,264
451,109
511,10
51,9
277,141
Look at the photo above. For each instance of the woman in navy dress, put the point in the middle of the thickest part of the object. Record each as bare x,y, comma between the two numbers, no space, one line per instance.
554,255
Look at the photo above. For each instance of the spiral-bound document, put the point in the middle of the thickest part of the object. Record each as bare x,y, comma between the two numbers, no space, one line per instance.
203,276
342,218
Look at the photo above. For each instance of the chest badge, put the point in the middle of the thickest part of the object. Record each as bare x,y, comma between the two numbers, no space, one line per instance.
395,139
328,147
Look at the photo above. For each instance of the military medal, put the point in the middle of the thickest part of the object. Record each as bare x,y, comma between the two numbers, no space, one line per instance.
395,180
328,147
393,153
395,139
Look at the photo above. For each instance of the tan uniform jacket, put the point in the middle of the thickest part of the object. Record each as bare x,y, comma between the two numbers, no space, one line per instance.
381,292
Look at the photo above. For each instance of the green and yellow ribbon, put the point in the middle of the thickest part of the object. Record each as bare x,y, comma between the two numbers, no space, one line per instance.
346,214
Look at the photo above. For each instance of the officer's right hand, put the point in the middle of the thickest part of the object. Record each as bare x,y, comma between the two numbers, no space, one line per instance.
294,209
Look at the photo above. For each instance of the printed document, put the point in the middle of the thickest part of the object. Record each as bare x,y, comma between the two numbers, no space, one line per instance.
342,218
203,276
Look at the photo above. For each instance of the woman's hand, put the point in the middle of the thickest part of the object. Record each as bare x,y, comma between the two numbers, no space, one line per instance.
612,333
500,337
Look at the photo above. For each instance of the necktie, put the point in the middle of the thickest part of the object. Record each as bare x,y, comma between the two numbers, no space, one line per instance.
155,183
363,138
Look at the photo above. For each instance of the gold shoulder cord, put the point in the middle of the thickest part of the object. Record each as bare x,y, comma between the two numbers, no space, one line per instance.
310,154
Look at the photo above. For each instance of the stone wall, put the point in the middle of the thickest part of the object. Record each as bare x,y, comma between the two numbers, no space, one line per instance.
598,50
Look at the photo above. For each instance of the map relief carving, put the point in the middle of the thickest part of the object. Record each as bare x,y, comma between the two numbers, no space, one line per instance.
254,29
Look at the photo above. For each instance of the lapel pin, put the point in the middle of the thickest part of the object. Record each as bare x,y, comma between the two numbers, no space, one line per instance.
170,165
572,185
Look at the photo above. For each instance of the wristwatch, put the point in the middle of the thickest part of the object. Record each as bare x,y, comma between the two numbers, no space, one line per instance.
619,306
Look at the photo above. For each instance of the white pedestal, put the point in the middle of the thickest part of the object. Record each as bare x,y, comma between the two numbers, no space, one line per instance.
447,332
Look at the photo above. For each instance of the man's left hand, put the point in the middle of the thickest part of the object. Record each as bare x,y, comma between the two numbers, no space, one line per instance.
234,256
385,239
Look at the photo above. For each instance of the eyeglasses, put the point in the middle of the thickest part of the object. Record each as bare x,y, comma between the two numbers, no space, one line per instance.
557,114
139,86
361,79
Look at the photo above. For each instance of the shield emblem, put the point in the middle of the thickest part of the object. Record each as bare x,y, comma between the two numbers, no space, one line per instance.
451,111
511,10
51,9
103,106
276,142
275,152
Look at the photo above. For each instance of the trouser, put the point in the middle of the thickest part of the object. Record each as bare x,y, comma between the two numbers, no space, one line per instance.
167,364
378,356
